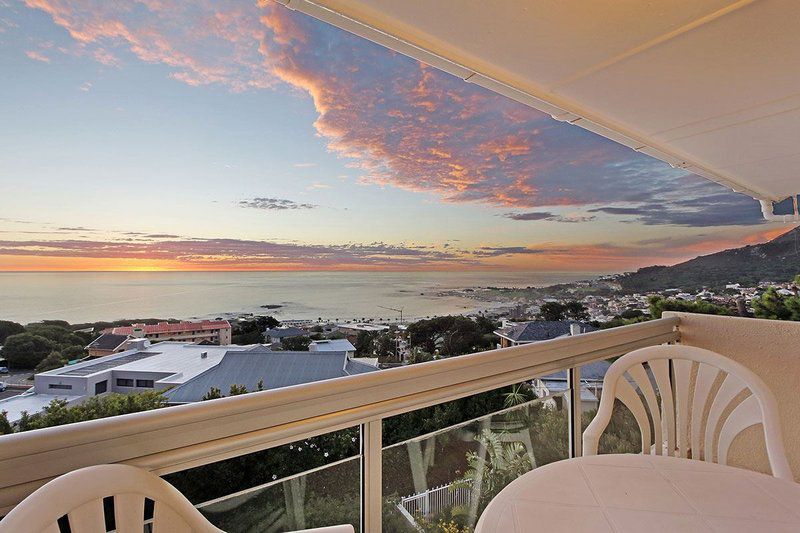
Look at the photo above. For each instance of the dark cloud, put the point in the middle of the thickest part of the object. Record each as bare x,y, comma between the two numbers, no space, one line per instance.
550,217
241,252
496,251
702,205
76,228
618,210
276,204
533,215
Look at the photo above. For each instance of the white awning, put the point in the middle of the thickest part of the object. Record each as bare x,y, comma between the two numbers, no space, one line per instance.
712,86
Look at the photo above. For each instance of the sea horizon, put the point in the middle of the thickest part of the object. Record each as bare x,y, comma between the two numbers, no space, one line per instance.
83,296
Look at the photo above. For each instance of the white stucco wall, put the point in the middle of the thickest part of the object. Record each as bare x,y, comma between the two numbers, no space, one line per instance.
771,349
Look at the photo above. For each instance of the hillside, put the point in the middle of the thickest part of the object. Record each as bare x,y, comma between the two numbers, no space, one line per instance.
776,260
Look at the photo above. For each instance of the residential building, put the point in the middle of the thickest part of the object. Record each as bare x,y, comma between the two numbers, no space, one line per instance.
263,369
333,345
144,367
207,331
516,334
108,343
283,332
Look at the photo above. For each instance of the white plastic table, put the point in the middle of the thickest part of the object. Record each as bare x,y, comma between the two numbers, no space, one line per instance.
642,493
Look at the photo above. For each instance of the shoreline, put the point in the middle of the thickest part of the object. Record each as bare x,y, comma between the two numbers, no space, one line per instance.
300,296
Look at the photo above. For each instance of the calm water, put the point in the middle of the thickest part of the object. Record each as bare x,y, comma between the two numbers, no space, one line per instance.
91,296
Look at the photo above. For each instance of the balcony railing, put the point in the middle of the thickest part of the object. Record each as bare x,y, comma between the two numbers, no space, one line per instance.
179,438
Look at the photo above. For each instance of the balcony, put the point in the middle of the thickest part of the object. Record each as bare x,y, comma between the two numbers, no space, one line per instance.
371,473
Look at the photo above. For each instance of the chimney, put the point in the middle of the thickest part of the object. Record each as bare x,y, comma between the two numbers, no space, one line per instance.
203,355
574,328
138,332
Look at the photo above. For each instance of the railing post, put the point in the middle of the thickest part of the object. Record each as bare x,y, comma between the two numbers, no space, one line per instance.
575,412
371,476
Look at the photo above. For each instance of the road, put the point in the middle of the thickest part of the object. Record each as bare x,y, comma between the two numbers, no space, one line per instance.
17,377
8,393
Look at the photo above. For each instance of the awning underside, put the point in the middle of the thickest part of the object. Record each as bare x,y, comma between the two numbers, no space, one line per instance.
712,86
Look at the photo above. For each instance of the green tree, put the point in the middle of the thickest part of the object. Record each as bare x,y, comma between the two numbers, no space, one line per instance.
660,304
58,413
576,310
212,394
26,350
250,337
54,360
418,355
365,344
73,352
236,390
266,322
553,311
450,335
775,306
8,328
5,426
384,344
504,462
296,344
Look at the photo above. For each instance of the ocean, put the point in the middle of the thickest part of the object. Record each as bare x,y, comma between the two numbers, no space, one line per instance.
92,296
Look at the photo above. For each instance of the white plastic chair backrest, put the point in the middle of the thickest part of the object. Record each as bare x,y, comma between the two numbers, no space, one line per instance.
677,424
79,495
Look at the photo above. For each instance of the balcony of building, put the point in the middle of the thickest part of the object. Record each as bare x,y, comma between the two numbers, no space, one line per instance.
377,465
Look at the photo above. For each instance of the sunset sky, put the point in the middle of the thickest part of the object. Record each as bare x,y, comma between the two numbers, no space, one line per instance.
238,135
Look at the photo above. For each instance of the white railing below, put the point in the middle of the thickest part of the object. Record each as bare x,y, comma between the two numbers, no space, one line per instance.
433,501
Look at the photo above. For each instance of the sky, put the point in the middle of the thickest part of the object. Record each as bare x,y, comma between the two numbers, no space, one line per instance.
237,135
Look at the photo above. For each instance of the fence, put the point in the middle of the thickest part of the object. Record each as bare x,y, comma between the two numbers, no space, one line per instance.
433,501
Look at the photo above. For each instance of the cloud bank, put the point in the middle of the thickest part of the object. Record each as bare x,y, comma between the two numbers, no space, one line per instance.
396,121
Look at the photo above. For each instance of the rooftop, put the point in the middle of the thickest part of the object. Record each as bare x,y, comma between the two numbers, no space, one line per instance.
285,332
30,402
363,327
332,345
170,327
540,330
273,369
179,360
107,341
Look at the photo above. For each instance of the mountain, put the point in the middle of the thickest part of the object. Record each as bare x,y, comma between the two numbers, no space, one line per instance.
776,260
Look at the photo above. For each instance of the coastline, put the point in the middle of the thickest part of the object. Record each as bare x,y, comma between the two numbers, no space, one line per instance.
336,297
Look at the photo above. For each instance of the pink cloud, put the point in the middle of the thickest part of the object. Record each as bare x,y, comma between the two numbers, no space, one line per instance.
397,122
37,56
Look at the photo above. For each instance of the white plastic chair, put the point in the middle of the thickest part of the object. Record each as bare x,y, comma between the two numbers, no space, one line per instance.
678,423
79,495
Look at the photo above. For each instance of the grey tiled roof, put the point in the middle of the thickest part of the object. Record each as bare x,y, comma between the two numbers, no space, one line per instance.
107,341
275,369
541,330
284,333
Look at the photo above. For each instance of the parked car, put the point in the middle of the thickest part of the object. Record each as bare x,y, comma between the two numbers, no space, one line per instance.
3,370
2,386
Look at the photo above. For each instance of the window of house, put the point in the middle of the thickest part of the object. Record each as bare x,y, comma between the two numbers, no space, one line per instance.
123,382
101,386
144,383
59,386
